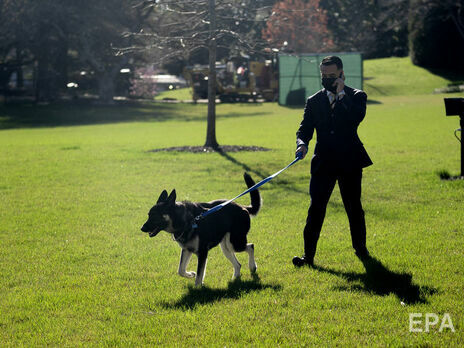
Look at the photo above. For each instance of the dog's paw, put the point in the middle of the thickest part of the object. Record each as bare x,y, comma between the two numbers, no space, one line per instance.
237,273
252,265
188,274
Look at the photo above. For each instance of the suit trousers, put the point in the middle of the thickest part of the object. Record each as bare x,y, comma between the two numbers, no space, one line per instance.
320,190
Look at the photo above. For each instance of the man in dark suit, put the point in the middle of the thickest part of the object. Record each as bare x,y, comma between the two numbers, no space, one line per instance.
335,112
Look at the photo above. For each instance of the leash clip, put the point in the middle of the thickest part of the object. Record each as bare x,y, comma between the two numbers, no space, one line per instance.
196,220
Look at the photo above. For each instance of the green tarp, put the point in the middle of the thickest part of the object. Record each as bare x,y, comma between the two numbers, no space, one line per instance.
300,77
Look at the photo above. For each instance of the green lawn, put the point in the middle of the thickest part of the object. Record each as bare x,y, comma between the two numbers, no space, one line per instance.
398,76
179,94
76,184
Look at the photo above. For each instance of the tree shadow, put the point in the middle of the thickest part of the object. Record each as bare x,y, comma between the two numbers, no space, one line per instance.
87,112
369,101
244,166
377,89
293,107
84,112
456,77
381,281
205,295
262,175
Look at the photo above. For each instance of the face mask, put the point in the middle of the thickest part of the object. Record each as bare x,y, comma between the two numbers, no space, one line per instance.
328,82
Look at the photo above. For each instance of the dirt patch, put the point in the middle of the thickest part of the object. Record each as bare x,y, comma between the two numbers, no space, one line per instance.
203,149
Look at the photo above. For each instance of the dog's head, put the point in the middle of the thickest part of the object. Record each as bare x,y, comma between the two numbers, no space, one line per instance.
159,215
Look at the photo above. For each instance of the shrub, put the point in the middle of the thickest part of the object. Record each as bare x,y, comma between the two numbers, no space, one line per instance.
434,39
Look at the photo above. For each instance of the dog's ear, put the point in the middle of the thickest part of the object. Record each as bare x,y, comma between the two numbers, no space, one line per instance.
172,197
163,197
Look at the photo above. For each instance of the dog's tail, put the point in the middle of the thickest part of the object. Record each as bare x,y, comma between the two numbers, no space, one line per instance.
255,196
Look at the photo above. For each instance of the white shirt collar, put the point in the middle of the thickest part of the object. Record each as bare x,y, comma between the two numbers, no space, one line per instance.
331,96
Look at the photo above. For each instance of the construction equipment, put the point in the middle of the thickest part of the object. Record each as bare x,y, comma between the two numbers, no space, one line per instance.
237,80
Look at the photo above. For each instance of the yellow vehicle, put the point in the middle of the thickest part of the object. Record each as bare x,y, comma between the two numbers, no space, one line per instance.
238,80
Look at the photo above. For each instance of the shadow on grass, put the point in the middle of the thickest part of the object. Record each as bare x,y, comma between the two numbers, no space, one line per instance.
369,101
445,175
379,90
84,112
381,281
77,113
455,77
205,295
262,175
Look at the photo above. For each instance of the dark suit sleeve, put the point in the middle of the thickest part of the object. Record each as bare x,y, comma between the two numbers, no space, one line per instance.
353,106
306,130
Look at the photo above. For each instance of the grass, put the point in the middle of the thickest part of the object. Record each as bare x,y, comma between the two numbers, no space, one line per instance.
179,94
76,184
398,76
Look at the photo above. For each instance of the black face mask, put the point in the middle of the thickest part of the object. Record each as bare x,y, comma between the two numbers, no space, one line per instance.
328,82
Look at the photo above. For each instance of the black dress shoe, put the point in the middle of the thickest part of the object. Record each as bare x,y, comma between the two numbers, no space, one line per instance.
302,261
362,253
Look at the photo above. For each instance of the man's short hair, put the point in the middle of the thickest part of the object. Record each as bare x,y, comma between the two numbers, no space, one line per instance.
330,60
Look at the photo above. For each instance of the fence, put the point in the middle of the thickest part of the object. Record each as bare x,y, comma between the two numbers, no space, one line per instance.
300,77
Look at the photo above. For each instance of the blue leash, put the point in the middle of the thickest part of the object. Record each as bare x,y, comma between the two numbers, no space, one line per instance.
254,187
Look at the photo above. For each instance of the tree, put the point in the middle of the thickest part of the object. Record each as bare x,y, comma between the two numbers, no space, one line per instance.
377,28
48,43
34,32
188,27
436,34
211,124
99,27
456,13
52,34
9,26
300,26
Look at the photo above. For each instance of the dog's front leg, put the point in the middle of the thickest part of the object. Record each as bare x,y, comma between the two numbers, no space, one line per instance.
201,269
185,256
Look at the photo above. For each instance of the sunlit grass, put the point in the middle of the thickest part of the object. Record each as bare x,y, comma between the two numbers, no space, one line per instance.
398,76
176,94
75,270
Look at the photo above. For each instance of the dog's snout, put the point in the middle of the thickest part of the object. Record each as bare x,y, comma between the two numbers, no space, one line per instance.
144,229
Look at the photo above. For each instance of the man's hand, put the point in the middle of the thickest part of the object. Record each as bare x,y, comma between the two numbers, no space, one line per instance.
301,151
340,84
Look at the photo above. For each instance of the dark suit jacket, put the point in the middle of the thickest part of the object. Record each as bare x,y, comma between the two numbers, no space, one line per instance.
338,147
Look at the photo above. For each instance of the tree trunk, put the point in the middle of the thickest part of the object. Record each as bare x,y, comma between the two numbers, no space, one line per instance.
43,91
19,68
61,64
106,87
211,127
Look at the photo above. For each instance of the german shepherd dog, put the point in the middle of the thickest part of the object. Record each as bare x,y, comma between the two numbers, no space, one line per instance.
228,227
